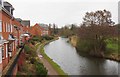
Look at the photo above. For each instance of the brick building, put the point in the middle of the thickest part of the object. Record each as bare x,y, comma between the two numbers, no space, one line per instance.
39,30
11,36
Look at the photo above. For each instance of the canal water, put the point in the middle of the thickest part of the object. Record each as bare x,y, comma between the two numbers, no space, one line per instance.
66,56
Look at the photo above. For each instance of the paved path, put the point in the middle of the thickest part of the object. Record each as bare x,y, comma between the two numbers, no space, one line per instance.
51,70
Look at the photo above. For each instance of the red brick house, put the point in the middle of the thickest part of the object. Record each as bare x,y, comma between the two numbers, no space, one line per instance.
35,30
39,30
45,30
10,36
6,28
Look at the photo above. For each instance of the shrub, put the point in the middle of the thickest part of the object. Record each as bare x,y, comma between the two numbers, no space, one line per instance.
29,50
32,42
84,46
32,60
37,38
40,69
47,37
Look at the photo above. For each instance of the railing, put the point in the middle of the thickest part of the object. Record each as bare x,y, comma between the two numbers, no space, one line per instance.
8,71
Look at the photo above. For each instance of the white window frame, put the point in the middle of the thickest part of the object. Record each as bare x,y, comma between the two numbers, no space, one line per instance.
9,27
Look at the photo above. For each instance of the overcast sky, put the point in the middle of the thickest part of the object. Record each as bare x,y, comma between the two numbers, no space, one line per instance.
61,12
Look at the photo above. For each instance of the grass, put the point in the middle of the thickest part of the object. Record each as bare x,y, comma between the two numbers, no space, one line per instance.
37,45
55,65
112,51
112,46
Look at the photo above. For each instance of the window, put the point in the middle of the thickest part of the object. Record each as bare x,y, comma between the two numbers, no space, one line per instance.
0,54
10,47
11,28
6,50
3,52
6,27
0,26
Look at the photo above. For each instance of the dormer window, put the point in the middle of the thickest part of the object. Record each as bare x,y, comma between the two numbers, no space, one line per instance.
8,7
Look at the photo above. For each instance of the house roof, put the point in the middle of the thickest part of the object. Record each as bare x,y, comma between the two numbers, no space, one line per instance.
44,26
26,22
18,19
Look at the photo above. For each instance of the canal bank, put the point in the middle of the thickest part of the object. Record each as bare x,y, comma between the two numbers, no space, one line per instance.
114,56
66,56
52,67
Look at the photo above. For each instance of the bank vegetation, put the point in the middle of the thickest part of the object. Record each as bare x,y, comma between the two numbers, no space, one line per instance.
96,36
32,65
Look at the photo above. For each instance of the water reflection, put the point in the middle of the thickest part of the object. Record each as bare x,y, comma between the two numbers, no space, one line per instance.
66,56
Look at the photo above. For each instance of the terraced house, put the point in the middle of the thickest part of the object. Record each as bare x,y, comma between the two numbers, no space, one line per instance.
39,30
12,34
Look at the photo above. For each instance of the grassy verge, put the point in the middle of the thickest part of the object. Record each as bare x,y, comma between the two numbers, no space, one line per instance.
55,65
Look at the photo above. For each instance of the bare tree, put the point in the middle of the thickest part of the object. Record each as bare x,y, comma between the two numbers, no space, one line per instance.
96,28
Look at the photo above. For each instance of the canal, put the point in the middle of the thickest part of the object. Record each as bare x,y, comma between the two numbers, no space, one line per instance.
66,56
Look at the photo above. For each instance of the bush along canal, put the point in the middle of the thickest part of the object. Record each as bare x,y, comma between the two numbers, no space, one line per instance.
53,68
33,61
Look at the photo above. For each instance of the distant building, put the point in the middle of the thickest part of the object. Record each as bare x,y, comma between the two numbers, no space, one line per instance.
19,20
45,29
26,23
35,30
39,30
